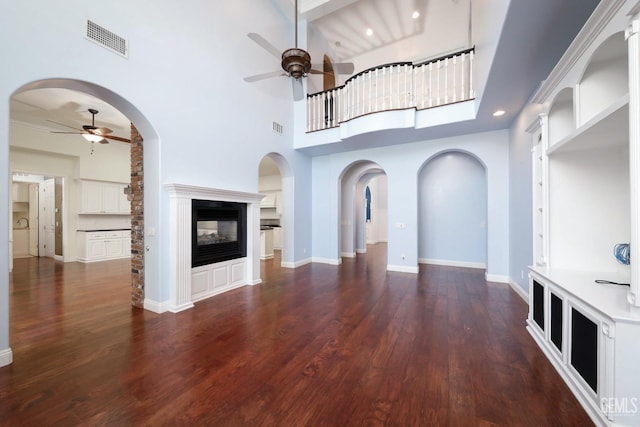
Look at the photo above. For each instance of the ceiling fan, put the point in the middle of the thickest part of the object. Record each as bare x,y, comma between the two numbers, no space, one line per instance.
91,132
295,62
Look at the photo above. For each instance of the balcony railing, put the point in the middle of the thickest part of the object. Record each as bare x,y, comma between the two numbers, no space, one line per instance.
398,86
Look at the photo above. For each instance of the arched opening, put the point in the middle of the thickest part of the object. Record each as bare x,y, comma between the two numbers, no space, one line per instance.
452,211
41,108
363,219
276,210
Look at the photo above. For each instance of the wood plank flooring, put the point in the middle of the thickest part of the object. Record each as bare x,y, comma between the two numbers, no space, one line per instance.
316,346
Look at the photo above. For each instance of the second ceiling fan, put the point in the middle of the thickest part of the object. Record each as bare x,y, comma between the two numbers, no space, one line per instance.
295,62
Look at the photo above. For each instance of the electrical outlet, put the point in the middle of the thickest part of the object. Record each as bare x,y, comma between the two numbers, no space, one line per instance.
402,256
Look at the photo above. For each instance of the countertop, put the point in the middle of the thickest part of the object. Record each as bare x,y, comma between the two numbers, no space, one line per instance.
106,229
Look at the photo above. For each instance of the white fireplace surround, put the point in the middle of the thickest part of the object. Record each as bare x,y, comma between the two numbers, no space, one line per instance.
180,197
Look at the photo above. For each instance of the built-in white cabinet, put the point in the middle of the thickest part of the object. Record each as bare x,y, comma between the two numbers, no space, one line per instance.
585,176
277,238
101,197
271,205
212,279
266,244
103,245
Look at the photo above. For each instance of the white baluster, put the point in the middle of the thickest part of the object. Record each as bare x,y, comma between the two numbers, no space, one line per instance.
384,85
471,94
446,80
455,61
430,84
463,77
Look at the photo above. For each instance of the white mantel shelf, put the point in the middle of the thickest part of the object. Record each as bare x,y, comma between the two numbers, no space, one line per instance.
180,197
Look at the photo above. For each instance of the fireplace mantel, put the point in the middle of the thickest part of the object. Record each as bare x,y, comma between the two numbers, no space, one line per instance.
180,196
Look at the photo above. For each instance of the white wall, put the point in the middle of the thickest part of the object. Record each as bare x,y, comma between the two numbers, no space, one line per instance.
181,86
401,163
520,197
453,211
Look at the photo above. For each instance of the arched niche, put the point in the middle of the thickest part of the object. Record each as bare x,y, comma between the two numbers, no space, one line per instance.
452,210
561,118
605,78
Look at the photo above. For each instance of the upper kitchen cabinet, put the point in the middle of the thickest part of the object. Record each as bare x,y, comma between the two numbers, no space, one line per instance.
100,197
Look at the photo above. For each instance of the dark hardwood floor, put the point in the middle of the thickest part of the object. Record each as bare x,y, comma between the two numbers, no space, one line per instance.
316,346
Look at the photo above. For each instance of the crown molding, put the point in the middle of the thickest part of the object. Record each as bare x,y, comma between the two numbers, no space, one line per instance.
600,17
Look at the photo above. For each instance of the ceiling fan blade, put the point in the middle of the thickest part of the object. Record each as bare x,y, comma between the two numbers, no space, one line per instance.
62,124
263,76
338,68
265,45
102,131
115,138
313,71
68,133
298,90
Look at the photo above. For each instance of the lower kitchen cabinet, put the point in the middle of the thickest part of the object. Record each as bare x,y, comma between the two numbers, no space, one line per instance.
103,245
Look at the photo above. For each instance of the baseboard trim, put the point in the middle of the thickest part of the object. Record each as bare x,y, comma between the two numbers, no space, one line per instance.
295,264
449,263
254,282
327,261
6,357
403,268
518,290
361,251
163,307
348,254
496,278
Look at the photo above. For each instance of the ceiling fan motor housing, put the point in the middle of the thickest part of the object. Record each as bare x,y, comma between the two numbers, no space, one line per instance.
296,62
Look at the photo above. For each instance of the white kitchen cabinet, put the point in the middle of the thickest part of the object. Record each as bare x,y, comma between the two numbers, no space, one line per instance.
101,197
266,244
277,238
103,245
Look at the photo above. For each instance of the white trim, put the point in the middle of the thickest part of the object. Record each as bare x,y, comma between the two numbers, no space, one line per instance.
403,268
194,192
518,290
327,261
601,16
254,282
496,278
6,357
348,254
361,251
295,264
449,263
155,306
214,292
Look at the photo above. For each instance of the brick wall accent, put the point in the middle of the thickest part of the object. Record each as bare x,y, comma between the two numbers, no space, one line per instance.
137,219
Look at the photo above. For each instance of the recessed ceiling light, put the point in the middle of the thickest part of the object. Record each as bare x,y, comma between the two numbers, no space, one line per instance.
369,32
498,113
415,15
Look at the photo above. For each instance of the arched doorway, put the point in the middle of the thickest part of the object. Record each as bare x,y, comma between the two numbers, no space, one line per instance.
60,103
276,211
355,229
452,211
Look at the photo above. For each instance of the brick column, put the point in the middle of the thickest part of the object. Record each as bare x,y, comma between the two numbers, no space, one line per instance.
137,219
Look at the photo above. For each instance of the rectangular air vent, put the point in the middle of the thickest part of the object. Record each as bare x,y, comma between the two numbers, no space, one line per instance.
277,127
107,39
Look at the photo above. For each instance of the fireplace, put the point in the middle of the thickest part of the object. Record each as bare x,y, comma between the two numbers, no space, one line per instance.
218,231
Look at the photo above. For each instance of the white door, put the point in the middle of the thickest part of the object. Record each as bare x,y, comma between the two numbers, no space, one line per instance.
47,218
33,219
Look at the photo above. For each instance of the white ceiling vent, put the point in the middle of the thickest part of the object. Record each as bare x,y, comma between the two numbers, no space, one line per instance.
107,39
277,127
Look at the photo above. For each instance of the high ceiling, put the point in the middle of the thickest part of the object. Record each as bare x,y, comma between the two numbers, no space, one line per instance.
534,36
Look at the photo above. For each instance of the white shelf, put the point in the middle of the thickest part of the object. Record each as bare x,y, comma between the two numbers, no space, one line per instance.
610,300
607,129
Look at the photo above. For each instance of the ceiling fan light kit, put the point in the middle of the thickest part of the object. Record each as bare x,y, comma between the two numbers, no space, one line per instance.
91,132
